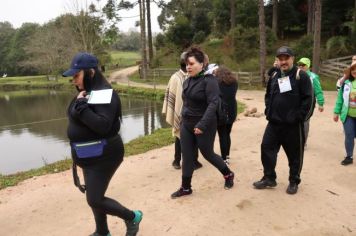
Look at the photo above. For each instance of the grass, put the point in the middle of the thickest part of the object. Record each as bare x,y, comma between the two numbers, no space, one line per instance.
157,94
33,82
124,58
162,80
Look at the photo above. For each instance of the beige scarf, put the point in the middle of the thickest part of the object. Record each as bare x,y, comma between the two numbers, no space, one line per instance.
173,103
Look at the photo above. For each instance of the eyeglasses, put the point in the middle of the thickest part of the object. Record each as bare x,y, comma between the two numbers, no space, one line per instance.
301,65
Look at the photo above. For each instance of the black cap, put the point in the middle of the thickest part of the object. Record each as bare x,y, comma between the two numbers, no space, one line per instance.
81,61
284,50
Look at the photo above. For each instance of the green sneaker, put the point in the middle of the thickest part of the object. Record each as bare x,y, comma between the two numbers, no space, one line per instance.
133,225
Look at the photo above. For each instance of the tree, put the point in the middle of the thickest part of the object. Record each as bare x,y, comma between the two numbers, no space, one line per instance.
275,17
17,54
191,14
149,32
261,15
6,34
232,14
51,46
317,32
143,68
310,17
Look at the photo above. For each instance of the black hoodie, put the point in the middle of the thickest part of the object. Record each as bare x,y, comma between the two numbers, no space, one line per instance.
290,107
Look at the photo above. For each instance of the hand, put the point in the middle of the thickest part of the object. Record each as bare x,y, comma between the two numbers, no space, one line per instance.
321,109
82,94
336,117
197,131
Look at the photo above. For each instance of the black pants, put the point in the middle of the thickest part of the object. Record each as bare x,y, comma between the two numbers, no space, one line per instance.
178,151
97,179
225,139
190,144
291,138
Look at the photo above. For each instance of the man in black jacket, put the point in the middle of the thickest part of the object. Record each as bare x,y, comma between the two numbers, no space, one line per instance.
288,100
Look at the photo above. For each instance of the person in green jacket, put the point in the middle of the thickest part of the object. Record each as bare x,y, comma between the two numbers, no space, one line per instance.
304,64
345,108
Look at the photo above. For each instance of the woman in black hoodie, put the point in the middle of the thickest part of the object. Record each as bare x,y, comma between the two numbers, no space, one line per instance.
96,145
199,122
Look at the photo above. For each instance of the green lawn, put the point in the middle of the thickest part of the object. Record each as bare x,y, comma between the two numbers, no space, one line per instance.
124,59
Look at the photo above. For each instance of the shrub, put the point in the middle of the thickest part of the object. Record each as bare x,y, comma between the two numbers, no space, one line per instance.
304,47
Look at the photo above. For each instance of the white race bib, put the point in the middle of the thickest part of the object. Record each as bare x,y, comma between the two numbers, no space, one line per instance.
284,84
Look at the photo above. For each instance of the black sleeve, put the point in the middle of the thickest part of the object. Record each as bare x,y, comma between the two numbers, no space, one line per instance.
97,117
212,95
307,96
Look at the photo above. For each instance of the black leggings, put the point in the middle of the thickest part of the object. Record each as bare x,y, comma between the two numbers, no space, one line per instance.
224,139
190,144
97,179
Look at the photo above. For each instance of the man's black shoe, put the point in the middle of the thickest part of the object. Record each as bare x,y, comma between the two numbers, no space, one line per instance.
347,161
265,183
197,165
292,188
176,164
181,192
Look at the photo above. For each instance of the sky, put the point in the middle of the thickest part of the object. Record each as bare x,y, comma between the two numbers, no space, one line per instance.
18,12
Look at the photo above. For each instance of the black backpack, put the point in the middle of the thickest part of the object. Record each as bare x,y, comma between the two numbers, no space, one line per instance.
221,112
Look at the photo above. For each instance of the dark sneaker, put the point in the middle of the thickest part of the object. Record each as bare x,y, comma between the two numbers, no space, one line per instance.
197,165
229,180
176,164
132,226
181,192
292,188
347,161
265,183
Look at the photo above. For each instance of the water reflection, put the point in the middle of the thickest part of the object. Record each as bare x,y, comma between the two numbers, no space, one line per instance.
33,126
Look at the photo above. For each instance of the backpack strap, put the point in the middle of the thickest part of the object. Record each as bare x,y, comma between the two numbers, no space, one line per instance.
297,77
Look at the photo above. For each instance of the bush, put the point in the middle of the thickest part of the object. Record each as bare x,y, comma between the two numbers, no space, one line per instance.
304,47
338,46
199,37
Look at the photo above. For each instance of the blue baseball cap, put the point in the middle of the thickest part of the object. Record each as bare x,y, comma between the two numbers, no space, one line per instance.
81,61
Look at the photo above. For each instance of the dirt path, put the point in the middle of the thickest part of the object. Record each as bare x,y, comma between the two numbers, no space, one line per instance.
325,204
121,77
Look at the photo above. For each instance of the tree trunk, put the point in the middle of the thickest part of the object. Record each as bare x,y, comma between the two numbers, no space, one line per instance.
275,17
232,14
262,23
317,30
310,17
149,33
143,69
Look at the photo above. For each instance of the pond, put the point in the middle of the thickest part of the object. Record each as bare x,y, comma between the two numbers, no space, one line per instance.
33,126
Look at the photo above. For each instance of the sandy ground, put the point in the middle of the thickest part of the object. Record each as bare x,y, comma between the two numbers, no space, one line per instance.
324,205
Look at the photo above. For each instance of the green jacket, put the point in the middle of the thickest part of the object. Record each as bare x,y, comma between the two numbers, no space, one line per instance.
318,91
342,101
